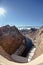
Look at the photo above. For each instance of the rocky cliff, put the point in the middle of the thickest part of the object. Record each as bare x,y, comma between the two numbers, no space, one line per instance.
36,35
10,38
39,46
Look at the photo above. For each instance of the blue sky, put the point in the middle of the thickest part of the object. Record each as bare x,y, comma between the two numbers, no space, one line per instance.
22,12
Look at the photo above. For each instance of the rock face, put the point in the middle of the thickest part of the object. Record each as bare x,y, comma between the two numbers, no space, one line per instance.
4,54
31,33
10,38
36,35
39,39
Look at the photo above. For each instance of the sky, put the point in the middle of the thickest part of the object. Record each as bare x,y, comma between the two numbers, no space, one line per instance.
22,12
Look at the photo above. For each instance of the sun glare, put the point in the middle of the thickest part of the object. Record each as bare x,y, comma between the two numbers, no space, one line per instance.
2,11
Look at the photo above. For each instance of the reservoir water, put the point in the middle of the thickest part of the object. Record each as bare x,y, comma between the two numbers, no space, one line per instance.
29,46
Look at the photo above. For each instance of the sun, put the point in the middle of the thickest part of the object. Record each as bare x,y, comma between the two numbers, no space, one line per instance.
2,11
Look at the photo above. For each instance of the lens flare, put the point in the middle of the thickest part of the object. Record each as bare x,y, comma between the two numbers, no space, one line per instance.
2,12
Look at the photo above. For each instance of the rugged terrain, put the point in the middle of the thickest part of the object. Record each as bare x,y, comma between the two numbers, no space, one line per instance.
11,39
36,35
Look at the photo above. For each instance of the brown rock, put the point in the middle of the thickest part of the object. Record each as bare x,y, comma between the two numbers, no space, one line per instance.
39,39
11,39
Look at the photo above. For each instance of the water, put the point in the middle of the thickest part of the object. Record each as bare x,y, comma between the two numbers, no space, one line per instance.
29,46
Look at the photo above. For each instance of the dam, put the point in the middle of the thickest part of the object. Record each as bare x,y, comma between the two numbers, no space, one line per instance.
24,53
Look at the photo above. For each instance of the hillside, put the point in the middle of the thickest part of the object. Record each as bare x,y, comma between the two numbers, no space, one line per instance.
36,35
13,42
10,38
39,39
